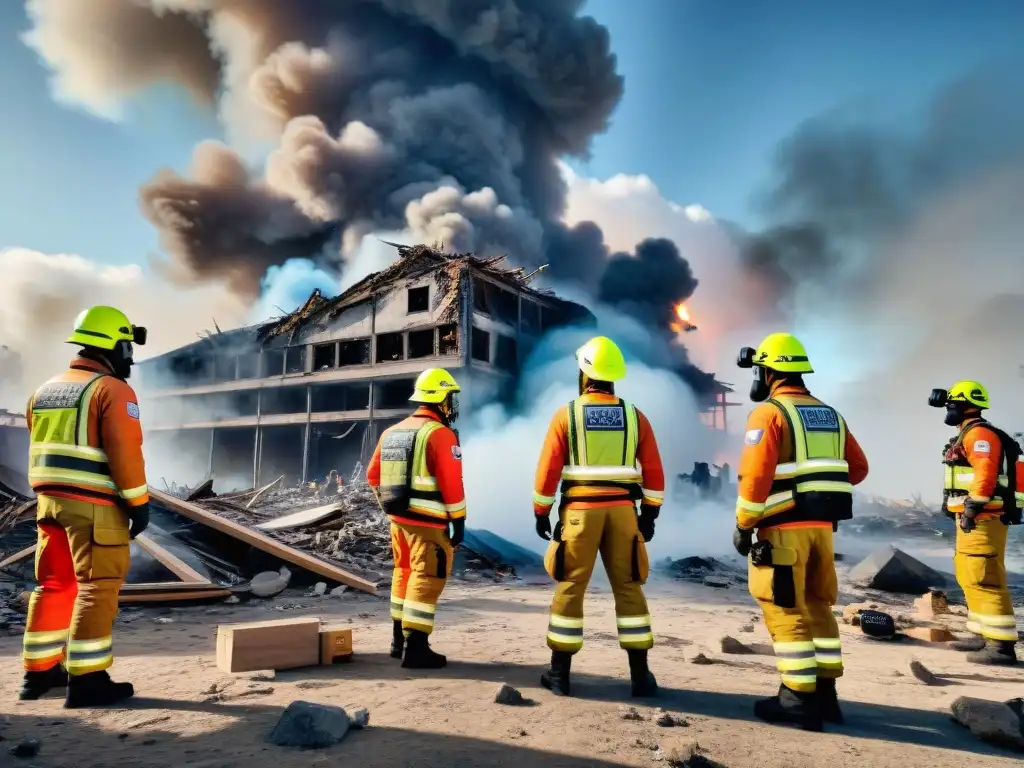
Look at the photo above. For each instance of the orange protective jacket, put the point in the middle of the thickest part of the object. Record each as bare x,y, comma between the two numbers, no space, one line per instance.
554,457
774,446
115,428
444,464
981,449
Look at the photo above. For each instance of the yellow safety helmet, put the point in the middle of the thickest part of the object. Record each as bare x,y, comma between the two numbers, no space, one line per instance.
970,392
433,386
601,359
784,353
103,327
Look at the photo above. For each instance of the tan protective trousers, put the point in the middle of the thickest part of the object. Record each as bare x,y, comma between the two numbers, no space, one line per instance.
82,559
423,561
570,559
796,595
981,573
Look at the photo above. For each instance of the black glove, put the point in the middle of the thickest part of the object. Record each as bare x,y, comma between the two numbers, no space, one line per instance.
139,518
544,527
648,514
971,509
742,540
458,533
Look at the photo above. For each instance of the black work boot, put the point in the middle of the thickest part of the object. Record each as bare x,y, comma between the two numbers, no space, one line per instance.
643,682
397,639
96,689
556,679
790,707
36,684
828,700
995,653
972,643
418,653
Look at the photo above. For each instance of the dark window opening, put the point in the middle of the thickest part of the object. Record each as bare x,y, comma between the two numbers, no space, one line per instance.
481,346
224,367
421,343
530,316
190,369
243,403
324,357
394,394
295,360
329,397
505,305
448,339
358,397
283,400
419,299
390,347
273,362
354,352
480,296
248,366
505,354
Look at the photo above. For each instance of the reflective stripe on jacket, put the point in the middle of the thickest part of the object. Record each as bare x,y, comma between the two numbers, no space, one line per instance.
417,469
603,451
799,463
86,438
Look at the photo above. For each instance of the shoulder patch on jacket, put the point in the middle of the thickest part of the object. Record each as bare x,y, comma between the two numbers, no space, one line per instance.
133,410
753,436
457,453
982,447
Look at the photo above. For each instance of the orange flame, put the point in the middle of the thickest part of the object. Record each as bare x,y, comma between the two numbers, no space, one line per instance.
683,313
682,323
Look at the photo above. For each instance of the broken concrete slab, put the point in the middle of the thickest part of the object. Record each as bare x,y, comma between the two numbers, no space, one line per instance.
991,721
893,570
310,726
931,604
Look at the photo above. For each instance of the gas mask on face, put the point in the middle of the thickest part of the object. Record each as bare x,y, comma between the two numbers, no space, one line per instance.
452,408
759,387
121,359
956,412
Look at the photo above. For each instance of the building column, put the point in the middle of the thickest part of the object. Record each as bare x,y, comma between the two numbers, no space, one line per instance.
306,433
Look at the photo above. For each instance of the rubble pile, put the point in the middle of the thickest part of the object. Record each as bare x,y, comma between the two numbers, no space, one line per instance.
875,516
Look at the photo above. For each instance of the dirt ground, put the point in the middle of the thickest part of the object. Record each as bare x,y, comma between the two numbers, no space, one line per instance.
494,635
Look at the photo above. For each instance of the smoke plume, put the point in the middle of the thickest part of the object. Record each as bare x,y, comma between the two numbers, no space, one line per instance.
443,119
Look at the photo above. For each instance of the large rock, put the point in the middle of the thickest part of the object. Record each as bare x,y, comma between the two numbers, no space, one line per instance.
311,726
892,570
990,721
270,583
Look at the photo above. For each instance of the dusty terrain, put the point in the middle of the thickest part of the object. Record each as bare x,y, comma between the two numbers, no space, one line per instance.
494,635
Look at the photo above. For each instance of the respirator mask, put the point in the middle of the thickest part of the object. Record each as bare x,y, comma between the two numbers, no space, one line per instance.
955,412
122,356
759,389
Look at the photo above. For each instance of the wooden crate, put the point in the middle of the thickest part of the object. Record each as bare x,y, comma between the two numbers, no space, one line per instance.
282,644
335,645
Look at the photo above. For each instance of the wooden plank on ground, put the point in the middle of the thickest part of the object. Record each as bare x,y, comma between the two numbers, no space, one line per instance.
151,586
301,518
158,593
17,557
277,644
262,542
174,564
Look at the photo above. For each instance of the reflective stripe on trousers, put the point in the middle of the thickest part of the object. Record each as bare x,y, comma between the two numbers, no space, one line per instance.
397,608
86,656
635,631
565,632
797,663
44,650
828,653
993,627
419,615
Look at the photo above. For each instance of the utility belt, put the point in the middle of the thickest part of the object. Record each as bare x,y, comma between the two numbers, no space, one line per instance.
629,492
781,560
1010,514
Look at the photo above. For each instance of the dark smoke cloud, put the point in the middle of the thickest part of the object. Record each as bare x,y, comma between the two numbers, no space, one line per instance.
444,118
650,283
846,188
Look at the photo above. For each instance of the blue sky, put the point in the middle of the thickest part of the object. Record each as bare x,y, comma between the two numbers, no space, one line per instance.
711,87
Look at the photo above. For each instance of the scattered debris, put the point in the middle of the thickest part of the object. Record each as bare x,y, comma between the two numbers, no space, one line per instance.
147,721
893,570
931,604
716,582
311,726
747,628
319,589
360,719
669,720
511,697
163,620
689,755
703,570
930,634
701,659
630,713
732,645
263,675
270,583
991,721
922,673
26,748
646,742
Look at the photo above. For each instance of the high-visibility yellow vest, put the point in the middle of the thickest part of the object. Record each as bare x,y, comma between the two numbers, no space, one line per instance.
407,489
60,457
603,440
958,474
817,481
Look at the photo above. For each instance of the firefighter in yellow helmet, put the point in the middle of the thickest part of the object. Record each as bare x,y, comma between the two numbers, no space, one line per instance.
603,451
797,469
87,469
417,471
984,492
